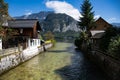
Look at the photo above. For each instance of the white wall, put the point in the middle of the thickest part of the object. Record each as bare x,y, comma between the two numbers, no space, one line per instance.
0,44
34,42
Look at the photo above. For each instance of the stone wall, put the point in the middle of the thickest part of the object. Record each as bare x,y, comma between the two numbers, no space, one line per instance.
9,50
9,61
108,64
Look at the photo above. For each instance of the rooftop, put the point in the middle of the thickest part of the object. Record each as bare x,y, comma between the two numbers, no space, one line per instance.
22,23
98,35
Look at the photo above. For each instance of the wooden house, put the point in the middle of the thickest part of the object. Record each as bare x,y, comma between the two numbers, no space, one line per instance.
98,31
26,27
101,24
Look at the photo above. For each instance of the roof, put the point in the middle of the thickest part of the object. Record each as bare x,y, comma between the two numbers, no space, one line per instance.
93,32
100,18
101,24
98,35
22,23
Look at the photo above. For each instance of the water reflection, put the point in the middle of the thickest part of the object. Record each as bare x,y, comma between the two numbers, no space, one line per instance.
80,69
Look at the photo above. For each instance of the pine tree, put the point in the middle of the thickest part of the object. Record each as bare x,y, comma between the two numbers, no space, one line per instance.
87,19
86,23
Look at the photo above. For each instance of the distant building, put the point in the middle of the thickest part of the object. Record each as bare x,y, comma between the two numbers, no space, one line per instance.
101,24
98,31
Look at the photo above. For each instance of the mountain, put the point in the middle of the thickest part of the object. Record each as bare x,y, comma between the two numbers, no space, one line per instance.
40,16
61,25
116,24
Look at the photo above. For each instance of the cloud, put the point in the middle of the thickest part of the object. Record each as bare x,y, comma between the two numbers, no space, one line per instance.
28,12
63,7
96,17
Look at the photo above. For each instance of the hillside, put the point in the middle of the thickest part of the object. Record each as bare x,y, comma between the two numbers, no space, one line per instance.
59,23
40,16
116,24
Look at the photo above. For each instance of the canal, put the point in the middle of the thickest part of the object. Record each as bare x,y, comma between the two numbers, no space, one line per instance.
59,63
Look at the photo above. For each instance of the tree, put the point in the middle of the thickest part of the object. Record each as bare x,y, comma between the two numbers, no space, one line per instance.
3,11
87,20
4,16
109,33
49,36
114,47
86,23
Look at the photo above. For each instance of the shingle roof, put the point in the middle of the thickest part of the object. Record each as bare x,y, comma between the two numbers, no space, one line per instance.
22,23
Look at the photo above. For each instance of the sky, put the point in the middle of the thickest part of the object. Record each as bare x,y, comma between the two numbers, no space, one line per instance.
107,9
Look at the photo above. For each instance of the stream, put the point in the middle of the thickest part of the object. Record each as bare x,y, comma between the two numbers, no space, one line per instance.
61,62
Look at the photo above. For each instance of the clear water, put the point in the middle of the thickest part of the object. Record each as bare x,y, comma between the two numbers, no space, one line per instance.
59,63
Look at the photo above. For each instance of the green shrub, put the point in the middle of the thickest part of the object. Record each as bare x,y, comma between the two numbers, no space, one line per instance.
53,41
105,41
114,47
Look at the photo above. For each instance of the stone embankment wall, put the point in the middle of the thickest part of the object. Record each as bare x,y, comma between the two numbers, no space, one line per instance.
9,61
108,64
